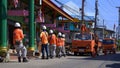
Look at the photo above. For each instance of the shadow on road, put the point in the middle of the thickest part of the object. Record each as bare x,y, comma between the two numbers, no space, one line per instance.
115,65
109,57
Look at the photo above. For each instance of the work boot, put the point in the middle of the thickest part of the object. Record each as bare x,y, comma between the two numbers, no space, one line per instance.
64,55
47,57
59,56
1,59
51,57
43,57
19,59
25,59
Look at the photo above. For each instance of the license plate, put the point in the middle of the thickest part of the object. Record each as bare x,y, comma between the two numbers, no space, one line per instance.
81,50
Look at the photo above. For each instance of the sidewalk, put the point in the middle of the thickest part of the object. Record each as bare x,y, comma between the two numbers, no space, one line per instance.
13,56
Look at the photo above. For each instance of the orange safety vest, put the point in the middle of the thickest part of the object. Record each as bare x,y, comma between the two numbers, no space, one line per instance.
59,42
63,41
52,39
44,37
17,35
83,28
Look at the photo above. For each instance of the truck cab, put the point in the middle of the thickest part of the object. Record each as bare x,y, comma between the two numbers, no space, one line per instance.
83,43
109,45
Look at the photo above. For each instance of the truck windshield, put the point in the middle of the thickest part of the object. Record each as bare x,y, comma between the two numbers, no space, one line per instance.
108,41
83,36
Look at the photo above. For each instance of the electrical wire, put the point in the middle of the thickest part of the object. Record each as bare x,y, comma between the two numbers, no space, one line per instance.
110,3
106,11
69,8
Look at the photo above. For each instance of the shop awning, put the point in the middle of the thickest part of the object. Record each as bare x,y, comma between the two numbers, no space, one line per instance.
55,7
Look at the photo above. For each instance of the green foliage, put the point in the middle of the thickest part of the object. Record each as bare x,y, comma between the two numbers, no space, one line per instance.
118,41
2,53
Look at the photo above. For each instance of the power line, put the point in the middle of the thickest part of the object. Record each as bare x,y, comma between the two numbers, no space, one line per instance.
89,6
70,9
110,3
102,6
107,9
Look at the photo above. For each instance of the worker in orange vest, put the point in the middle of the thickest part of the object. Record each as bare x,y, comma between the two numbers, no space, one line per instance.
83,28
52,43
63,45
96,44
44,41
17,41
59,45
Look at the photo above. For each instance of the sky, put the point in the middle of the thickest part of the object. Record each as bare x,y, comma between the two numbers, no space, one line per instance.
107,10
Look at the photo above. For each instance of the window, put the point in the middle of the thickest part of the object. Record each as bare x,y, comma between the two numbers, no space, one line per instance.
83,36
108,41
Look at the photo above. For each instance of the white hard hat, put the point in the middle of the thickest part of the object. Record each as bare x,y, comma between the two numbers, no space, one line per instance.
44,27
59,34
17,24
51,31
63,35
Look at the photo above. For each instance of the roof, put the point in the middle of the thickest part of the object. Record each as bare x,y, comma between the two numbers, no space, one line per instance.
55,7
112,31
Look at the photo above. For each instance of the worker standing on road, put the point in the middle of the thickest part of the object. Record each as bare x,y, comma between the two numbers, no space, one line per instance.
59,45
17,40
52,43
63,45
44,41
96,44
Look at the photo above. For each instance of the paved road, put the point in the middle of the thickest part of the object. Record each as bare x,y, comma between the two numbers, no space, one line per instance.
108,61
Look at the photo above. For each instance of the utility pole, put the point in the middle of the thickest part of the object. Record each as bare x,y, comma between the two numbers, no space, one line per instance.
96,13
118,31
82,18
119,15
103,29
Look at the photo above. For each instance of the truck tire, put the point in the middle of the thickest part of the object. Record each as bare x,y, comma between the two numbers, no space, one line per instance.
75,53
114,52
105,52
93,54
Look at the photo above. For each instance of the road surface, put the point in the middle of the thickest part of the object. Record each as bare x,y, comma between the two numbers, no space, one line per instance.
102,61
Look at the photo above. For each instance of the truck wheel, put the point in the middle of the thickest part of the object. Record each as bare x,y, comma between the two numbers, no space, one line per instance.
114,52
75,53
81,54
105,52
93,54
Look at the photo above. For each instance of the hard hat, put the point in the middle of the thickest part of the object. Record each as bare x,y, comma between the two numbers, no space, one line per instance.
63,35
17,24
44,27
51,31
59,34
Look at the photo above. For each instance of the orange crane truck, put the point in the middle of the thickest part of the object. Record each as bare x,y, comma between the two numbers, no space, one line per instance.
85,42
109,45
